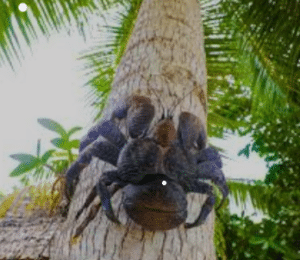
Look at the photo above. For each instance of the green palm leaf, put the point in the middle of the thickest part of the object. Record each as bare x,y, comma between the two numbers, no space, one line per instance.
52,126
49,15
268,33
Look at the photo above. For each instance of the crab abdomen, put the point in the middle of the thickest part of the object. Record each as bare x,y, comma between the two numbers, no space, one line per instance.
156,205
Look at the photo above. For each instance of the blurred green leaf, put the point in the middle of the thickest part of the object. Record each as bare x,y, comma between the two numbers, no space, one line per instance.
245,151
60,143
65,144
73,130
53,126
24,158
22,168
257,240
74,144
47,155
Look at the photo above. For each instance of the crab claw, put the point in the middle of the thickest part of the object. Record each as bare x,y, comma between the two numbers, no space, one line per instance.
106,202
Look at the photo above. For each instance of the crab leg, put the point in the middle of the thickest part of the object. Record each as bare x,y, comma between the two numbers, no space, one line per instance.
101,149
210,171
108,130
139,113
203,188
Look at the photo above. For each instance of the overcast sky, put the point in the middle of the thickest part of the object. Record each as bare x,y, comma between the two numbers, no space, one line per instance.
49,84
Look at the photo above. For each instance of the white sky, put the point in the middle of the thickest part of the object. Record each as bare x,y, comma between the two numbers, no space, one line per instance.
49,84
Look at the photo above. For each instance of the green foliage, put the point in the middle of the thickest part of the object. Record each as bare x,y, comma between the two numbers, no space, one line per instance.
277,140
275,238
6,202
250,240
266,198
127,22
219,238
42,198
245,151
267,33
52,159
280,234
52,126
29,162
48,15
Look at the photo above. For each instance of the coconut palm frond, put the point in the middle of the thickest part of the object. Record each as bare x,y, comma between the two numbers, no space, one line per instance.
269,37
41,17
220,47
222,58
266,198
217,123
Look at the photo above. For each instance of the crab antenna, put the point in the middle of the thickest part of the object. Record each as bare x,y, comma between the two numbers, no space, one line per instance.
180,100
154,92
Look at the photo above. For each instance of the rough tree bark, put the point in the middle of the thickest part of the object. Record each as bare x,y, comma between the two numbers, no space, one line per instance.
164,60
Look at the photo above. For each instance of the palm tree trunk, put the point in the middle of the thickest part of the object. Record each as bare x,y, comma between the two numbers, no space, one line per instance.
164,60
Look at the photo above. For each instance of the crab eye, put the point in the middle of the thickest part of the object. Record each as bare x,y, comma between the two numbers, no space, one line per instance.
164,183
